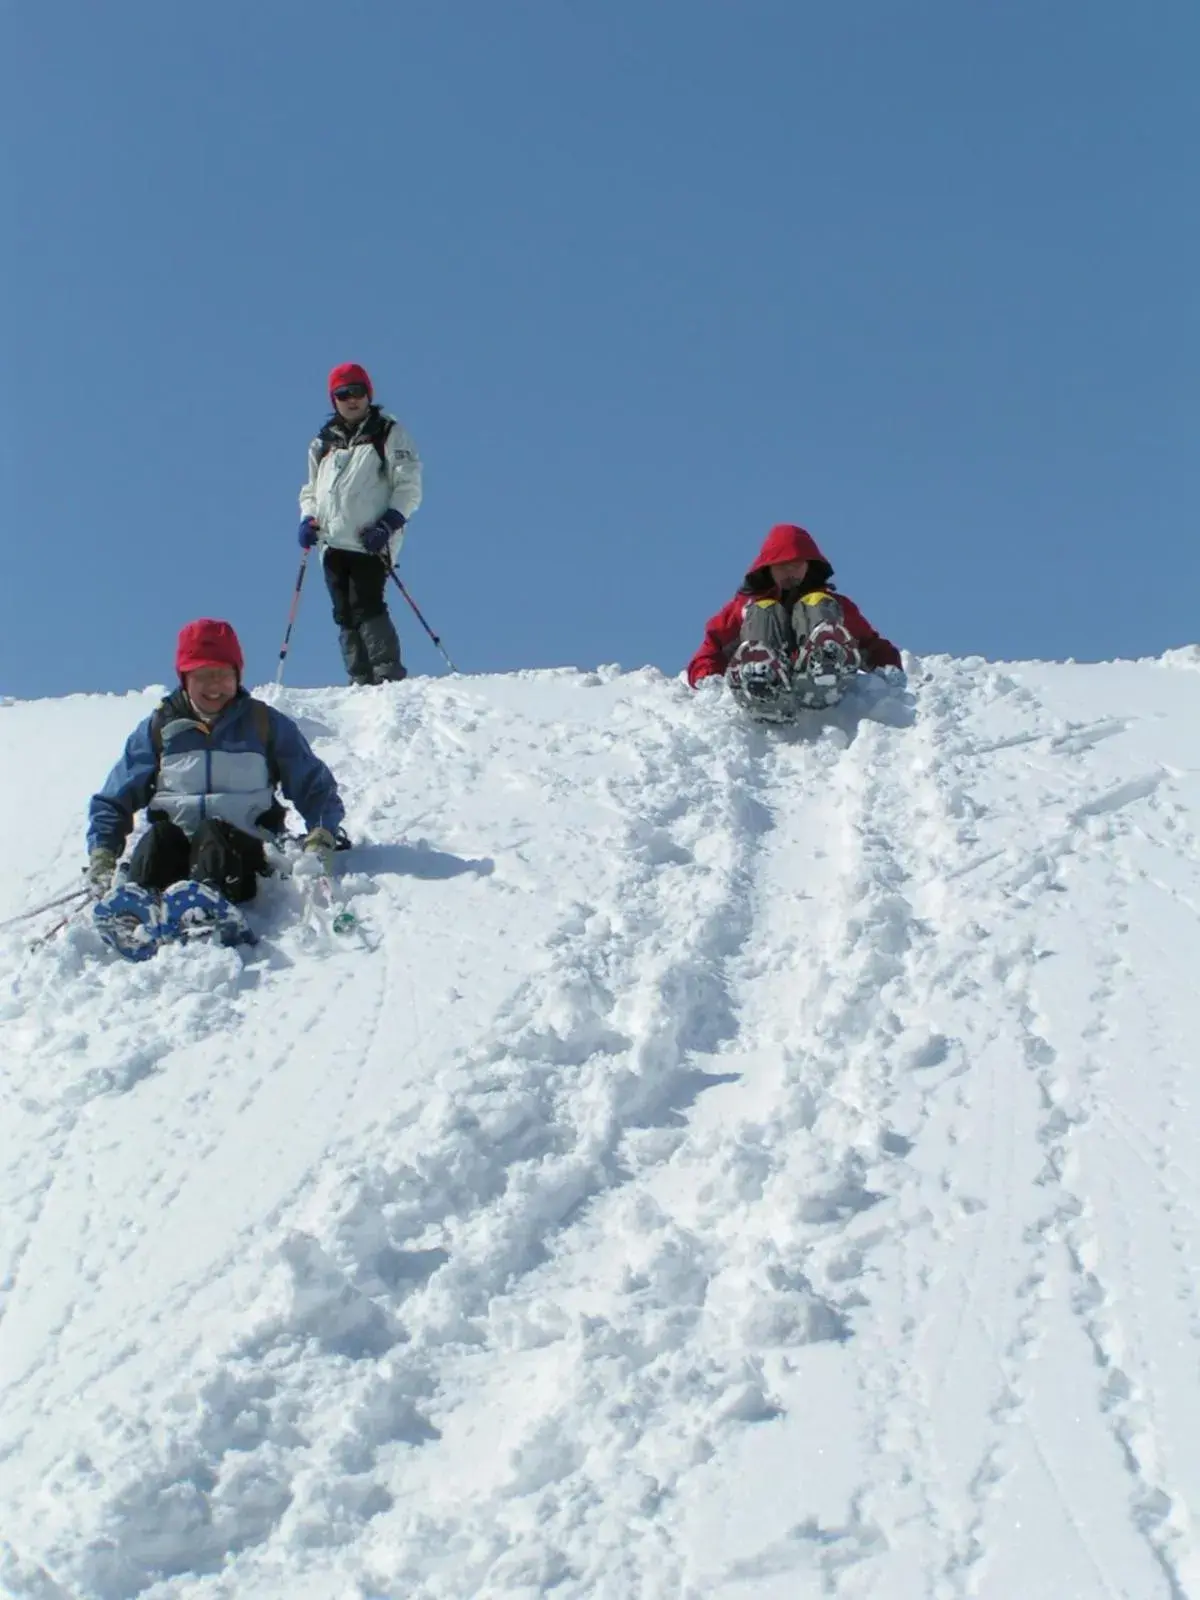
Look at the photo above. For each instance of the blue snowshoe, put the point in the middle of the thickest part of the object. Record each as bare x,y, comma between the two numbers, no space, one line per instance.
130,921
192,910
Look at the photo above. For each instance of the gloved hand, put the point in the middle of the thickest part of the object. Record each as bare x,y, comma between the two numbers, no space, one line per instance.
102,863
375,538
309,533
895,676
319,844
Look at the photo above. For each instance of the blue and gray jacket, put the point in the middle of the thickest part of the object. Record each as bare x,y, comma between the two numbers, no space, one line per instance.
186,770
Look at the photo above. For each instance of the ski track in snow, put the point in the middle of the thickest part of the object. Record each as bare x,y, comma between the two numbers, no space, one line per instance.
721,1169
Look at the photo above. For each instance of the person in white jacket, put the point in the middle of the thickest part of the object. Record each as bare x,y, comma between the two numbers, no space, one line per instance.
364,482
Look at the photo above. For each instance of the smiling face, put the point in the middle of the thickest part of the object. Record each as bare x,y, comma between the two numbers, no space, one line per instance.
210,689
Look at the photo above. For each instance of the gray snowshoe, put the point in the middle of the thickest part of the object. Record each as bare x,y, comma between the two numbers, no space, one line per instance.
828,658
760,680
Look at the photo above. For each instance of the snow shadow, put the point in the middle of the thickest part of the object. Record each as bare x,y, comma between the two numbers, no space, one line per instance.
402,1271
311,727
868,701
679,1094
418,860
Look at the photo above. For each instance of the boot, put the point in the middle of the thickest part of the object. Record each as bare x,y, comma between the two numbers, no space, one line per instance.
354,654
382,646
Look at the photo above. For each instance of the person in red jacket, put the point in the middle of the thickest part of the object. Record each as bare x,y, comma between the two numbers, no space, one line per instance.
787,641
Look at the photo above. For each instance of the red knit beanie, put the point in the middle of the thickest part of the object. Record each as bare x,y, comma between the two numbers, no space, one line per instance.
206,643
350,372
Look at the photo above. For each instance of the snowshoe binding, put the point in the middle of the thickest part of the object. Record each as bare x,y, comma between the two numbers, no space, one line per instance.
130,921
760,681
192,910
828,657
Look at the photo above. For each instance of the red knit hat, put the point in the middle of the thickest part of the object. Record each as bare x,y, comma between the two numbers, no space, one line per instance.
206,643
350,372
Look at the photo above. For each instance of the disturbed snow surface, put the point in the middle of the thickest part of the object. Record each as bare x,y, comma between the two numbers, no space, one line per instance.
730,1163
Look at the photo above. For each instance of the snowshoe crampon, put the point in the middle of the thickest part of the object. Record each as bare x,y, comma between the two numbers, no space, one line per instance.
129,920
827,658
760,682
193,910
825,666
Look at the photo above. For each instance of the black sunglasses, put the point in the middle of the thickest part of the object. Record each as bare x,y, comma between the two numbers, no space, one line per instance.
350,391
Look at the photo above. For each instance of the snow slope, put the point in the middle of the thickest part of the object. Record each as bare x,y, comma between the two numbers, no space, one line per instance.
730,1163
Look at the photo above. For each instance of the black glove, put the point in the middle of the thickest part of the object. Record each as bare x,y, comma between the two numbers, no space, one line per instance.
375,538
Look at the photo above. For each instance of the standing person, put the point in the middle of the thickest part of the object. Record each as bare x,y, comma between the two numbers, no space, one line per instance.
787,640
364,482
205,766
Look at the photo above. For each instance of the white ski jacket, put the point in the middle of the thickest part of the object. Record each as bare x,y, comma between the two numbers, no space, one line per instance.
353,480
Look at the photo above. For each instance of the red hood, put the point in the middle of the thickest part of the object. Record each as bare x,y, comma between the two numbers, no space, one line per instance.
787,542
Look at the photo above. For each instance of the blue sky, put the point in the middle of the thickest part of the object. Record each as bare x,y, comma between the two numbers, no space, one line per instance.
641,279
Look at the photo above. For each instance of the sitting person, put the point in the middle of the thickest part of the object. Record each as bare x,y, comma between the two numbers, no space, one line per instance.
786,640
205,766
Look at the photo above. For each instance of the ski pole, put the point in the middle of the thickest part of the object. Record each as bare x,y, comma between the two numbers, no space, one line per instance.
291,621
49,905
45,938
394,576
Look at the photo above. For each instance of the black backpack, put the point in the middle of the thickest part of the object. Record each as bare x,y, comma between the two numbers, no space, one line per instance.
328,440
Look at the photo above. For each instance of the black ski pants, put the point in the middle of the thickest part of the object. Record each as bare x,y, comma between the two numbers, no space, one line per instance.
366,633
217,853
355,582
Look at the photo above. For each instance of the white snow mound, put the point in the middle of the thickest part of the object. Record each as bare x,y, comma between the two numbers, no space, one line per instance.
723,1162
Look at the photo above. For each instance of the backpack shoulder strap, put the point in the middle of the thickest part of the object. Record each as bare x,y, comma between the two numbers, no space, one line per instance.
380,442
158,721
325,441
260,712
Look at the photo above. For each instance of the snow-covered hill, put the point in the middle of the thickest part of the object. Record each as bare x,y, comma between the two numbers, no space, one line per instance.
728,1164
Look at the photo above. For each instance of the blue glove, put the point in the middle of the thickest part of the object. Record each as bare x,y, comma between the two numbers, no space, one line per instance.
375,538
309,533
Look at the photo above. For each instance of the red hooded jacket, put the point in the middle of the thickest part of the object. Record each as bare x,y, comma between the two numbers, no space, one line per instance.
785,542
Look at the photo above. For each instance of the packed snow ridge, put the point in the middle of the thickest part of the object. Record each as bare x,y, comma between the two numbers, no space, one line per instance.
723,1162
